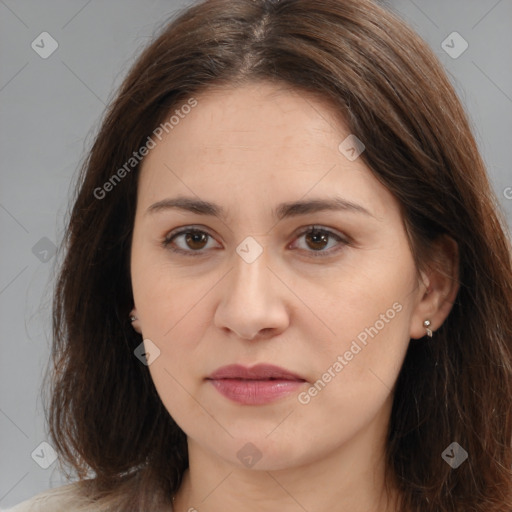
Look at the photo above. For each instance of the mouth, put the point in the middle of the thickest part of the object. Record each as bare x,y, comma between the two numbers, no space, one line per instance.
258,385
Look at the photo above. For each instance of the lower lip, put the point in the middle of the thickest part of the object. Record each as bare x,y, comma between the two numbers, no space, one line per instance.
255,392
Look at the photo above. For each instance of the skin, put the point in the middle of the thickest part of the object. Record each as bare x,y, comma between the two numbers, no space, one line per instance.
248,149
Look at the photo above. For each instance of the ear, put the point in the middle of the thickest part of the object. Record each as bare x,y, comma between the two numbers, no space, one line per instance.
439,286
135,323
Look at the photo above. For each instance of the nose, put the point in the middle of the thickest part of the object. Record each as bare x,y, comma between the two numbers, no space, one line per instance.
254,300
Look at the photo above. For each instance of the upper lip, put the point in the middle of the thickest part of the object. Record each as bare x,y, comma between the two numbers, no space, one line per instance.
257,372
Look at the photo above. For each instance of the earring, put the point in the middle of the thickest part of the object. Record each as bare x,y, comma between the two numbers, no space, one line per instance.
133,318
426,324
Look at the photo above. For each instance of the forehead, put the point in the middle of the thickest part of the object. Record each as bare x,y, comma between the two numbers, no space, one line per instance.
258,139
260,117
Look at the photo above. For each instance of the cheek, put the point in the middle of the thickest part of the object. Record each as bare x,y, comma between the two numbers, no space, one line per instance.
370,314
164,293
370,300
354,380
177,313
368,363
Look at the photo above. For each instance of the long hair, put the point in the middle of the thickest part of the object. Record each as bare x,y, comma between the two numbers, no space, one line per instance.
105,417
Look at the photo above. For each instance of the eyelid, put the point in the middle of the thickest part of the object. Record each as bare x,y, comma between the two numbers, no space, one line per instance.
340,237
186,229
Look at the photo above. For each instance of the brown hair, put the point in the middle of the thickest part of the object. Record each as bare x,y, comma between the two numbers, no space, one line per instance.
105,415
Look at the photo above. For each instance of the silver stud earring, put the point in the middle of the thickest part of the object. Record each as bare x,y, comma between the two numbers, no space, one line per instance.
426,324
133,318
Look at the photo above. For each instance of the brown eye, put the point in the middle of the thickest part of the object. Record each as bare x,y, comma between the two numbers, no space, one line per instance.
317,239
194,241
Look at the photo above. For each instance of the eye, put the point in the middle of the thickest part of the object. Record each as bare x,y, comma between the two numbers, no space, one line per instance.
317,238
196,239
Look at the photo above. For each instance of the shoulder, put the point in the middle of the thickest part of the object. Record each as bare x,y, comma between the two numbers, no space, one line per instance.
66,498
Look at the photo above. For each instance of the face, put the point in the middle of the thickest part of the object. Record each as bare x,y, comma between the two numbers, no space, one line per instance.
327,295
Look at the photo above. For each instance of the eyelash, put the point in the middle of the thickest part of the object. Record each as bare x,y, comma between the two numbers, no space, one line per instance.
311,229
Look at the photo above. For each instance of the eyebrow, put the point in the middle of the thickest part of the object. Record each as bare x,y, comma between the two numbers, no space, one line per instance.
283,210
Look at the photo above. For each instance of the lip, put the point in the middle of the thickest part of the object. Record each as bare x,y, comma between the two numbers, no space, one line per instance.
257,372
257,385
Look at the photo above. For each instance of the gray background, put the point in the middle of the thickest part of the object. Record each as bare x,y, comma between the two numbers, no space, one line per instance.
49,111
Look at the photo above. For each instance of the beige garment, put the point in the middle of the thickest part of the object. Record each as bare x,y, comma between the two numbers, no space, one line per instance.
59,499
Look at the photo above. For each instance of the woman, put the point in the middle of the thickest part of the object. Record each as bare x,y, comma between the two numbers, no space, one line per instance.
212,350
